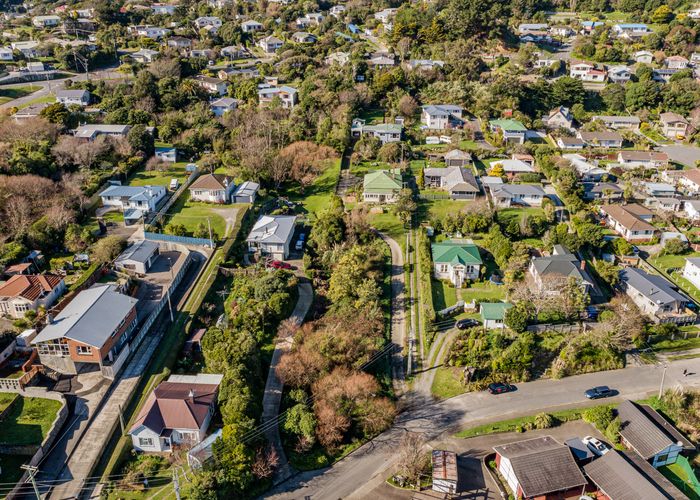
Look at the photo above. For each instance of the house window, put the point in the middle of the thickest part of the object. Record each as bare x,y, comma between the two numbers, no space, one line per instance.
443,268
21,307
84,350
145,442
662,458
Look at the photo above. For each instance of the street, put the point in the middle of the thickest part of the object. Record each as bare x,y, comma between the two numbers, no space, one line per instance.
359,473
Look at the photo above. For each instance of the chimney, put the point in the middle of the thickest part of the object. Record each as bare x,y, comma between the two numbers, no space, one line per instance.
191,396
583,265
49,318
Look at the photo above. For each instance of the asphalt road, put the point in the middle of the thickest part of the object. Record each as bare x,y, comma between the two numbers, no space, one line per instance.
359,473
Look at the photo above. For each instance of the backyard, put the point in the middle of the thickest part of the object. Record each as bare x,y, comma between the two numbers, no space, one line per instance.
28,421
159,177
315,197
192,213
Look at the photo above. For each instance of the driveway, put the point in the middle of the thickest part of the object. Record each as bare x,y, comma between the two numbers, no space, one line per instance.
229,214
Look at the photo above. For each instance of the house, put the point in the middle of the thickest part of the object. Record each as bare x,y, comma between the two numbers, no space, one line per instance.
445,472
644,57
384,16
310,19
92,329
457,158
663,75
176,413
138,257
673,125
288,96
604,139
90,132
512,167
619,74
46,21
148,31
663,203
179,43
632,222
223,105
166,153
337,11
271,235
631,29
506,195
689,181
424,64
381,61
27,292
235,52
587,172
144,56
511,130
458,181
691,271
382,186
29,49
691,209
6,54
246,192
212,85
340,58
619,477
567,142
270,44
559,117
442,116
493,314
619,122
646,159
532,27
539,467
606,191
580,70
656,297
207,21
385,132
31,111
35,66
303,37
142,198
587,27
659,189
251,26
212,188
650,435
551,272
456,261
163,9
676,62
76,97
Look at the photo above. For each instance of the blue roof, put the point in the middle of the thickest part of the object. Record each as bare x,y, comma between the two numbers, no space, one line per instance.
353,28
632,25
592,24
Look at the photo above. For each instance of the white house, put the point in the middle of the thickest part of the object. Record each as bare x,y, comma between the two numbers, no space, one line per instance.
28,48
506,195
676,62
619,74
144,56
382,186
207,21
385,132
457,262
46,21
223,105
90,132
166,153
493,314
580,69
176,414
646,159
162,9
148,31
458,181
143,198
77,97
631,29
618,122
655,296
270,44
559,117
271,235
673,125
27,292
689,181
6,54
632,221
442,116
212,188
251,26
212,85
602,139
287,95
644,57
691,271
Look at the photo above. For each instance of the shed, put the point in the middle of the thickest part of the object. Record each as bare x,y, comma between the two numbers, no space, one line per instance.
445,474
246,192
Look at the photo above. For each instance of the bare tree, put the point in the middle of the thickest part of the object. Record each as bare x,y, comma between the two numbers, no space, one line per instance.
413,460
266,461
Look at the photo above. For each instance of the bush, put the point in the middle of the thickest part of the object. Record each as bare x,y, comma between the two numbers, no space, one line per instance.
612,431
600,416
544,421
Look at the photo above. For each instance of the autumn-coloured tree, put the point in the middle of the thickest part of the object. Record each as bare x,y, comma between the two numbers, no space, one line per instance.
305,160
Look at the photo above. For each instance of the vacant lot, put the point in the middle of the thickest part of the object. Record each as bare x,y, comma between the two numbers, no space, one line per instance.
28,421
160,177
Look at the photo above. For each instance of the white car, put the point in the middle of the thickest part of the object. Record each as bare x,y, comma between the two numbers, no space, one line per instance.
596,446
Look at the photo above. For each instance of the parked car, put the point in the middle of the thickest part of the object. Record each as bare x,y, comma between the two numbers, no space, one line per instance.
463,324
299,244
596,445
174,184
302,237
602,391
278,264
500,388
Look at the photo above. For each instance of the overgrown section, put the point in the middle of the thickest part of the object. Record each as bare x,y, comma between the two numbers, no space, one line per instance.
425,284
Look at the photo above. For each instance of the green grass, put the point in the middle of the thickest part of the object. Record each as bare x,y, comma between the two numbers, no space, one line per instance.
159,177
365,167
10,471
39,100
315,197
192,213
12,93
441,208
446,383
665,262
444,294
6,398
387,222
483,292
681,478
507,214
679,344
28,421
373,116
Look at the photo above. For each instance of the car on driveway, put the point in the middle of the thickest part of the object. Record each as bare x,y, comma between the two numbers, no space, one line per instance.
596,445
278,264
602,391
463,324
500,388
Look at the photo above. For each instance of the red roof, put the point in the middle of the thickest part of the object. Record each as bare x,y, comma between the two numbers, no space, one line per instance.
29,286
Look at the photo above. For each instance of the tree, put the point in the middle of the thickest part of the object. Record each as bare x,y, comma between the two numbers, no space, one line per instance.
141,140
675,246
497,170
107,249
405,205
568,91
176,229
468,18
390,152
413,461
662,15
77,238
407,106
55,113
516,318
608,272
622,247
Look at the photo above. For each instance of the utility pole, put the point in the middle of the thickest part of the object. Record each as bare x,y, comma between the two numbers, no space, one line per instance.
176,485
121,419
32,471
663,377
211,239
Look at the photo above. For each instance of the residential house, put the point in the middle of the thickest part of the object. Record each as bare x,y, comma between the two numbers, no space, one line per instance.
166,154
31,111
207,21
646,159
631,30
663,75
76,97
92,329
6,54
212,188
539,467
691,209
163,9
551,272
235,52
35,66
442,116
381,61
656,297
384,16
27,292
586,72
644,57
659,189
567,142
676,62
559,117
512,167
632,222
507,195
176,414
562,31
606,191
458,181
29,49
385,132
664,203
337,11
619,74
340,58
208,54
650,435
212,85
691,271
457,158
144,56
143,198
689,181
673,125
271,235
148,31
288,96
588,172
532,27
493,314
456,261
138,257
90,132
270,44
587,27
526,158
247,73
511,130
619,122
604,139
310,19
223,105
424,64
46,21
382,186
694,59
246,192
303,37
251,26
179,42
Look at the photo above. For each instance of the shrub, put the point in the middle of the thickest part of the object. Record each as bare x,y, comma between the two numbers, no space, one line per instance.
544,421
612,431
600,416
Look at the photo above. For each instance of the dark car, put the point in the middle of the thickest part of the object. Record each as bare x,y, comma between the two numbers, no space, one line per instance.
278,264
500,388
602,391
463,324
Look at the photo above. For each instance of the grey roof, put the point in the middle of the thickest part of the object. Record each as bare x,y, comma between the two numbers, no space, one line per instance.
139,251
619,479
654,287
224,101
90,318
646,431
72,93
454,177
134,192
442,109
566,265
600,187
457,154
510,190
90,130
272,229
542,465
248,188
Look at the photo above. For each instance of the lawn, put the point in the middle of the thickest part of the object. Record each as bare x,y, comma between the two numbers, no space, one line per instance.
680,344
38,100
681,475
505,215
12,93
666,262
315,197
484,292
446,383
387,222
191,213
364,167
159,177
444,294
373,116
28,421
439,209
5,399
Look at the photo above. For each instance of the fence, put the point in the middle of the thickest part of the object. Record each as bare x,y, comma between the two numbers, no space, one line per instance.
182,240
434,196
158,216
557,327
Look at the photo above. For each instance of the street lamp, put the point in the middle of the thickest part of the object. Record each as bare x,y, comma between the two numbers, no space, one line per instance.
663,377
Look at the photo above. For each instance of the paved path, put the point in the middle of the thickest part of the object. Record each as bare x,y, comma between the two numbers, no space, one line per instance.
359,473
273,388
433,361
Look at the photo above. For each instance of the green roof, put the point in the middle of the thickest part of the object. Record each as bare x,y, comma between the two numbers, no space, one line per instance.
494,310
509,124
381,181
452,252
